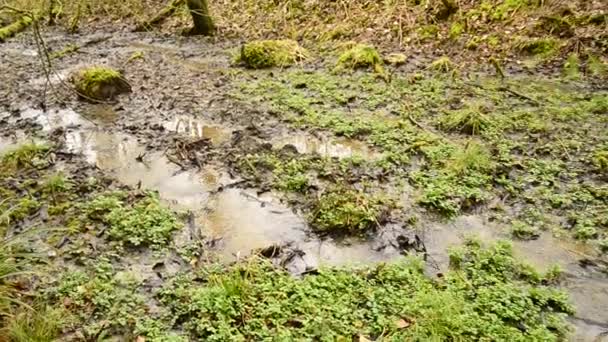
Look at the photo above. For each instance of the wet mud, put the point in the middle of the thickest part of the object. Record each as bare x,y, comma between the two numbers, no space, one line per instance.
181,92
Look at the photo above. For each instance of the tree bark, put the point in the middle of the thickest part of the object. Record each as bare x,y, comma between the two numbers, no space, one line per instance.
203,24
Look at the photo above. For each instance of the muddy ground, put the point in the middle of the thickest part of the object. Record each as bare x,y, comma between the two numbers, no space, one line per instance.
183,132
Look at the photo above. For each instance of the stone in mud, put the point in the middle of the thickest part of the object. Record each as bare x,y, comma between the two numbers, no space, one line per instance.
99,83
269,53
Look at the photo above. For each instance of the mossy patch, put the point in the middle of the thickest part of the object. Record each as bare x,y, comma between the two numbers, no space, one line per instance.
360,56
100,83
471,120
271,53
347,211
443,64
542,47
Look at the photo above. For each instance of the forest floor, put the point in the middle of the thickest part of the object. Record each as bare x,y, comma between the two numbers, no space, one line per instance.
218,202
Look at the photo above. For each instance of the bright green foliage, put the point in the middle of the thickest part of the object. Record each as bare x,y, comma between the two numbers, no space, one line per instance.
143,222
288,175
585,229
456,30
100,83
427,32
488,296
361,56
572,67
270,53
102,298
347,211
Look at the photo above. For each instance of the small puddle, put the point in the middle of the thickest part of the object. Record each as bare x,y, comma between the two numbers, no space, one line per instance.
197,128
327,147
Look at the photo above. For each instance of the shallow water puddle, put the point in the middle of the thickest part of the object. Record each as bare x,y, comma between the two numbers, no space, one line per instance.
327,147
198,128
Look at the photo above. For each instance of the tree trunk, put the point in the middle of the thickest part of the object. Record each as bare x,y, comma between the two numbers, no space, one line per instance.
203,24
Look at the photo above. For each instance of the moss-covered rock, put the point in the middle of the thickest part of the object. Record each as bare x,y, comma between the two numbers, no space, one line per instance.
360,56
270,53
100,83
396,59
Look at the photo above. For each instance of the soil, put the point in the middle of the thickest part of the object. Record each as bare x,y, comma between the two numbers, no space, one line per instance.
179,133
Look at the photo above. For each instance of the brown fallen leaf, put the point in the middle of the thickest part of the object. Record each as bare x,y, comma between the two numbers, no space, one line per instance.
403,323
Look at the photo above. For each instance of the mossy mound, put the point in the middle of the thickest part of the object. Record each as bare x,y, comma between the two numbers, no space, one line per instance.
100,83
360,56
345,211
270,53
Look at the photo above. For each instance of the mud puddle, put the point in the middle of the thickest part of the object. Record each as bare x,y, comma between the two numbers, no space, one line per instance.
327,146
198,128
239,220
588,289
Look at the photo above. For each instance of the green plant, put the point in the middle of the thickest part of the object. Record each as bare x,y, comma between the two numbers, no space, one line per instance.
443,64
470,120
42,325
484,297
572,67
270,53
524,231
542,47
28,155
473,157
596,67
347,211
361,56
144,222
585,230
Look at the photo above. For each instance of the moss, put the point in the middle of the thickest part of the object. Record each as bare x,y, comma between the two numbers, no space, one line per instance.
360,56
100,83
396,59
456,30
556,25
596,67
443,64
270,53
542,47
572,67
346,211
600,160
69,49
428,32
14,28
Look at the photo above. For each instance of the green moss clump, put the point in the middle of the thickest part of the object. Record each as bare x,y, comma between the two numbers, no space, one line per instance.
270,53
100,83
14,28
443,64
596,67
542,47
600,160
396,59
360,56
347,211
572,67
25,156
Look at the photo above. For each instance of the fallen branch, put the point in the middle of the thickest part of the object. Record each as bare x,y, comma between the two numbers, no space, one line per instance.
12,29
165,13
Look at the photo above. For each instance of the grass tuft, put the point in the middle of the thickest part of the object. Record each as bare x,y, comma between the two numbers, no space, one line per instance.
361,56
271,53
